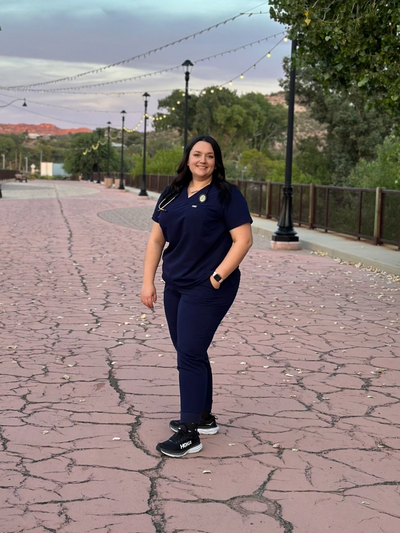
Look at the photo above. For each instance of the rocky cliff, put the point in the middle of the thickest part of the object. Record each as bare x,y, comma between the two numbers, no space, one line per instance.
39,129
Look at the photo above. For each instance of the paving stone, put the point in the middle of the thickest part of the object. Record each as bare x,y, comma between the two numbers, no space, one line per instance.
306,375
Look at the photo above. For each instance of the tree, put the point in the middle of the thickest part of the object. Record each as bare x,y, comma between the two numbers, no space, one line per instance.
164,161
312,160
82,158
269,122
384,171
262,168
173,116
352,129
348,44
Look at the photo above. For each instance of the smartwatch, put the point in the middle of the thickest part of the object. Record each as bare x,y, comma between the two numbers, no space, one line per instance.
217,277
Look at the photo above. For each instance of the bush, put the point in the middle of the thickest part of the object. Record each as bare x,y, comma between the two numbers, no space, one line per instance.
383,172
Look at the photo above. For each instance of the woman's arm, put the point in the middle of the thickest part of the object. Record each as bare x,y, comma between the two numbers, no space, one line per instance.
152,258
242,241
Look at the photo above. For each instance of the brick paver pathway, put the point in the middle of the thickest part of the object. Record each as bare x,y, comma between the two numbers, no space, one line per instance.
306,369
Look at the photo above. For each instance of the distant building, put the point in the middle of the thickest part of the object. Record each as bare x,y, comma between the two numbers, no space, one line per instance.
53,169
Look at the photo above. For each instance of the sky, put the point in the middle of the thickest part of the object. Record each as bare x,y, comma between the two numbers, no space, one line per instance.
42,41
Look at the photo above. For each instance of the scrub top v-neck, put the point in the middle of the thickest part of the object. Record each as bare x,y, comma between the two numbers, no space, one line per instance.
197,233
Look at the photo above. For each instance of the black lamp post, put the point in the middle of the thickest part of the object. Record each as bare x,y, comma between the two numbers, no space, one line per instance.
188,67
121,178
92,152
108,149
98,159
285,232
143,191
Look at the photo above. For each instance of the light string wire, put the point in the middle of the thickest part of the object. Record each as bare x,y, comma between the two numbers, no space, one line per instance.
95,147
125,61
79,110
71,90
164,115
268,54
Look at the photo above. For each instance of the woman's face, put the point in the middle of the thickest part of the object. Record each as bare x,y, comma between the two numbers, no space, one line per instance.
201,161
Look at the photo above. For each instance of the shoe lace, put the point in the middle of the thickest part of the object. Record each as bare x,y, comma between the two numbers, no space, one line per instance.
181,435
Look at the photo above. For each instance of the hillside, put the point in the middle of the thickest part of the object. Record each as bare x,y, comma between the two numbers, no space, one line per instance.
304,124
39,129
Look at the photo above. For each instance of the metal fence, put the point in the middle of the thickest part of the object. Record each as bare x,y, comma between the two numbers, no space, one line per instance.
6,174
371,214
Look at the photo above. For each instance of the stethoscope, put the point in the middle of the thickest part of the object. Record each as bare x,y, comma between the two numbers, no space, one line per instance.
173,196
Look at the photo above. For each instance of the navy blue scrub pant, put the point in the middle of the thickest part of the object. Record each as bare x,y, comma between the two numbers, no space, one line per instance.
193,316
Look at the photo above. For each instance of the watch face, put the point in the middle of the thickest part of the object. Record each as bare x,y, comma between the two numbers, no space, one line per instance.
217,277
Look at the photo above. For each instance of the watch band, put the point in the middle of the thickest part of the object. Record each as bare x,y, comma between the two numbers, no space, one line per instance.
217,277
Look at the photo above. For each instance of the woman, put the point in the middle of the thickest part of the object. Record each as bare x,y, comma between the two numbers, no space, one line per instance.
206,222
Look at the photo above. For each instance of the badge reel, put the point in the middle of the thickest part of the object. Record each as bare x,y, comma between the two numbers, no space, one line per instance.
203,196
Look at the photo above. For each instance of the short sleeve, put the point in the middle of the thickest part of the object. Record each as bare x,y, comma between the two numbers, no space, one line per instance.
156,212
236,212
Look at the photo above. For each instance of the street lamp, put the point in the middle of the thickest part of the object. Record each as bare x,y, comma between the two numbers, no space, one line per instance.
16,100
188,67
92,158
121,179
98,162
285,236
143,191
108,149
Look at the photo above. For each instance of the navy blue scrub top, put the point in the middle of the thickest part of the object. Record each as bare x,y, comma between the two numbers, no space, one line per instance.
198,233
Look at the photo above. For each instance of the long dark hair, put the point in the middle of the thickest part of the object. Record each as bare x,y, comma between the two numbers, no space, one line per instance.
184,175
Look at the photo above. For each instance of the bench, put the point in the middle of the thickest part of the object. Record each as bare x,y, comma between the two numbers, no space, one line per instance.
21,177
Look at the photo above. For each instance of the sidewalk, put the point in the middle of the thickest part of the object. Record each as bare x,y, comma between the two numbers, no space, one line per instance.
306,373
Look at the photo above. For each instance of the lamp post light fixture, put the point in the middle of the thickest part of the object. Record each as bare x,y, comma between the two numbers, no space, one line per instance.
108,149
188,67
16,100
121,178
143,191
285,237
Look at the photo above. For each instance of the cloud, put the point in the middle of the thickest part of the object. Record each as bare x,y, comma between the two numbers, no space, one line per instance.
44,40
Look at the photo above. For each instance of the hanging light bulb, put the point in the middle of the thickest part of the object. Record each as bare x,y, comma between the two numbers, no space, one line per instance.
268,55
241,76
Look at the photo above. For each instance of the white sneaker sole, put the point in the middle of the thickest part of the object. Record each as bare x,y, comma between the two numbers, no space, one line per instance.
201,431
211,431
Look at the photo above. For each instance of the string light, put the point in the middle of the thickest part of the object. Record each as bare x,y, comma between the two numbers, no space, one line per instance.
125,61
70,90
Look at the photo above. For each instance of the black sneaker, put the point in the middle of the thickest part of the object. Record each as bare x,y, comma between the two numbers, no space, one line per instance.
205,427
181,443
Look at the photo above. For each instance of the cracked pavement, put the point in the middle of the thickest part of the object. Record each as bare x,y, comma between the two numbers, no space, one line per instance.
306,373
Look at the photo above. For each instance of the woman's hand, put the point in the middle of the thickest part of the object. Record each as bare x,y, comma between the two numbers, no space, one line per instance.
216,284
149,295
